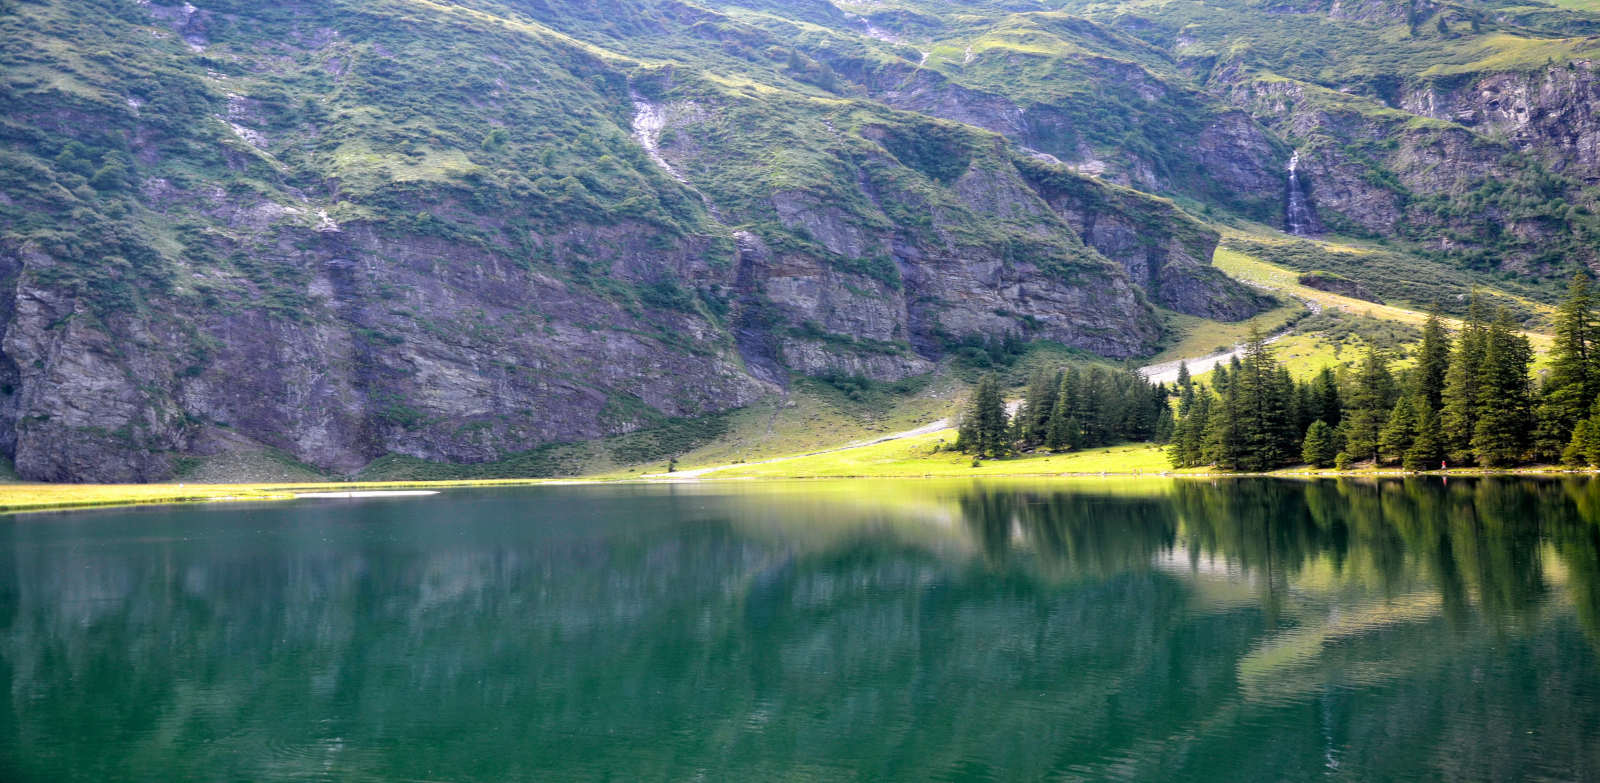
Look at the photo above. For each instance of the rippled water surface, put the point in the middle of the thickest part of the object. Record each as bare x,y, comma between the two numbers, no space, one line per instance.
1243,630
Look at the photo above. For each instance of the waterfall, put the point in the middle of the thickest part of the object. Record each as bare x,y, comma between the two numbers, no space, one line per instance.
1298,219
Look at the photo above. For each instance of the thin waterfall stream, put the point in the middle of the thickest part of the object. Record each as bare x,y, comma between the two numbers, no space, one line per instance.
1298,219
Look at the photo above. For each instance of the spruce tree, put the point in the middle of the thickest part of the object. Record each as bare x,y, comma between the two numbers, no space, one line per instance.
967,429
1400,431
985,429
1500,435
1062,432
1224,439
1165,426
1591,441
1329,406
1286,430
1185,388
1134,399
1033,418
1433,363
1458,412
1068,394
1321,445
1427,448
1260,396
1573,380
1188,440
1369,406
1576,453
1091,412
1306,406
1221,375
1584,447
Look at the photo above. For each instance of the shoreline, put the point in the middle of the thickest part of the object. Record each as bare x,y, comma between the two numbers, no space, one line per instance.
17,499
33,498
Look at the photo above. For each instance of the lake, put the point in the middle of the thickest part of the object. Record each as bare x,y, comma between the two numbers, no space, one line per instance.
1241,630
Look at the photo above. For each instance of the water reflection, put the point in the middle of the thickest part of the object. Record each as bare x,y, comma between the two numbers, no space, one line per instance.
902,630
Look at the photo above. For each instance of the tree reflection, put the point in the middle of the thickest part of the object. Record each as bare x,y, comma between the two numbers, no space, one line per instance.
1239,629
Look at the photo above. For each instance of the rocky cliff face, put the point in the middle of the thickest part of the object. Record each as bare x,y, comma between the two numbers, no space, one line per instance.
1470,170
1160,248
458,231
318,275
1552,114
403,346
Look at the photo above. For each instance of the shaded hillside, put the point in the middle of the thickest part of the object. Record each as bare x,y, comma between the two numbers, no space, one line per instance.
461,230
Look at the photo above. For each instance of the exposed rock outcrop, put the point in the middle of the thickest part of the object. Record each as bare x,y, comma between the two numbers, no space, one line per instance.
1552,113
1160,248
1338,284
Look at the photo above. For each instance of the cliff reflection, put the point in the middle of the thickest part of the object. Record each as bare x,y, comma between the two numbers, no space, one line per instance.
1242,629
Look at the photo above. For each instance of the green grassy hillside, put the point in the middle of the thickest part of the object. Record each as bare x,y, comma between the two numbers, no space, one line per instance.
537,237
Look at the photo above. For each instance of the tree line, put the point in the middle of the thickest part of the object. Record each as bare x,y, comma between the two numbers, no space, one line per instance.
1068,409
1468,400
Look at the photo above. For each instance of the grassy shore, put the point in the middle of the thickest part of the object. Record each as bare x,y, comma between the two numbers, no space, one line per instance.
907,458
46,497
921,456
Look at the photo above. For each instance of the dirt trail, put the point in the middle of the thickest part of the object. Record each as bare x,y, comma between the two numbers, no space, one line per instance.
1161,372
1167,372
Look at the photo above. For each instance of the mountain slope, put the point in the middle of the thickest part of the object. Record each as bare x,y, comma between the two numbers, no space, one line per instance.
461,230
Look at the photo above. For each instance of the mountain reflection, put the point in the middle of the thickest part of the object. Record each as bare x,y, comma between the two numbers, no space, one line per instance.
1242,629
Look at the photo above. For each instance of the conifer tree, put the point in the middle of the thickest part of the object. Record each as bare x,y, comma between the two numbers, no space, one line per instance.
984,428
1321,445
1189,437
1573,380
1433,363
1130,407
967,430
1033,418
1458,412
1057,438
1500,435
1091,411
1400,431
1583,449
1330,408
1185,388
1251,424
1221,375
1165,425
1306,406
1590,444
1253,388
1285,430
1063,430
1576,453
1224,444
1369,406
1427,448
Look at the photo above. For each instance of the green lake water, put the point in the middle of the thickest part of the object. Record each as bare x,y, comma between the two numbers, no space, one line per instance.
1248,630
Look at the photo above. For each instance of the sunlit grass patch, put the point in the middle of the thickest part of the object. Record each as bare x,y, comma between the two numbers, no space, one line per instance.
925,455
42,497
1201,336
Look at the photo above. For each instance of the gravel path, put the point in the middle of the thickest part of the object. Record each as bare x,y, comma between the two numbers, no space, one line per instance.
1167,372
1162,372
